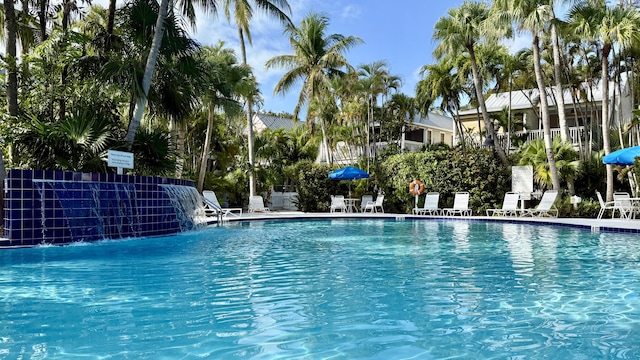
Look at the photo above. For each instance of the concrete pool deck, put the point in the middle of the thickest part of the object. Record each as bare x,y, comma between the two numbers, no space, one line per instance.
609,225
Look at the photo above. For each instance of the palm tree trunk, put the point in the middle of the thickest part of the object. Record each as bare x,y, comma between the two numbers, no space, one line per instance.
11,58
11,84
251,135
205,151
544,105
557,70
141,103
42,19
325,142
111,19
606,143
483,108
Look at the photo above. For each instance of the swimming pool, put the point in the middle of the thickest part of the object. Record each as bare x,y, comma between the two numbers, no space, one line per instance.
330,289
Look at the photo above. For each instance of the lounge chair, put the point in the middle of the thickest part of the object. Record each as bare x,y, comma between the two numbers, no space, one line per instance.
430,207
622,203
212,205
604,206
373,206
545,207
364,201
256,204
460,205
509,205
338,204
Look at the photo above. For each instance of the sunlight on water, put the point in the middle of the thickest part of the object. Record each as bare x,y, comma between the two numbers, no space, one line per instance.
332,289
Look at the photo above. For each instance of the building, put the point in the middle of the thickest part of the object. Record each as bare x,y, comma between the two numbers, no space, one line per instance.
583,106
419,133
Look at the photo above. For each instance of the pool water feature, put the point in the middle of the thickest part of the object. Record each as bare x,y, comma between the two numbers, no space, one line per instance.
330,289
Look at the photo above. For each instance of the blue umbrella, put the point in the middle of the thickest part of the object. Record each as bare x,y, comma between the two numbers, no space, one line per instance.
348,173
623,156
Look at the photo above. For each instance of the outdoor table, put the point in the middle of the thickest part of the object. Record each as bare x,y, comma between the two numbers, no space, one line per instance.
351,204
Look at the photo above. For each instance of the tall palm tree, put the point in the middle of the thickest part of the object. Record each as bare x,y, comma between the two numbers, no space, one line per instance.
243,13
225,82
152,57
316,58
532,16
609,26
374,79
460,32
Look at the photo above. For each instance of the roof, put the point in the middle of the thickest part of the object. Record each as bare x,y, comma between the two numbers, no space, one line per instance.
526,99
434,120
263,121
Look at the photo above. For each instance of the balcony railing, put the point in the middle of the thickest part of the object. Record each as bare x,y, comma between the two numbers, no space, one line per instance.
574,135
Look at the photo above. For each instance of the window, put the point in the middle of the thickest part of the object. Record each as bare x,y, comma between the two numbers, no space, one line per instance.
429,137
416,135
442,137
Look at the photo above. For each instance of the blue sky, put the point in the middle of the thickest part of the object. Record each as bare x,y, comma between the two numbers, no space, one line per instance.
399,32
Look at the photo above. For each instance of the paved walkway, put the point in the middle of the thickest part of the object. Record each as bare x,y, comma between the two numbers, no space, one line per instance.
620,225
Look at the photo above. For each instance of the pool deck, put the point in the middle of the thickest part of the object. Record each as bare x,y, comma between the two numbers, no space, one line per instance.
609,225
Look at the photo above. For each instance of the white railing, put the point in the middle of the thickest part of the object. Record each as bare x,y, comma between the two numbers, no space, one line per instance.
574,135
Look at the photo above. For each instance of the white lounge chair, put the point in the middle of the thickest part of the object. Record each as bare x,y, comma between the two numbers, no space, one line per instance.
622,203
373,206
604,206
430,207
338,204
256,204
509,205
365,199
460,205
546,206
212,205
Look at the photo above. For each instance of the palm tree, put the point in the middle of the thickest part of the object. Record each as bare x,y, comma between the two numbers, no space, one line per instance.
243,13
226,81
609,26
316,58
532,16
440,81
402,109
460,32
152,57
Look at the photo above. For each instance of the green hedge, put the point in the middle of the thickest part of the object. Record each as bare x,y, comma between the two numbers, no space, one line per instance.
446,171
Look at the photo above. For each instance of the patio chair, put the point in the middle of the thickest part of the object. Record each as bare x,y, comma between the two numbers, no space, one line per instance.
373,206
546,206
256,204
460,205
622,203
604,206
338,204
365,199
430,207
212,205
509,205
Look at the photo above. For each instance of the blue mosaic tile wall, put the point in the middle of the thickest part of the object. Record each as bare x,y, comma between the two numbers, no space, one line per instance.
46,206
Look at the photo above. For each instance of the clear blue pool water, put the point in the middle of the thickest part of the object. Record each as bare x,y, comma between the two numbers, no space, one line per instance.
334,289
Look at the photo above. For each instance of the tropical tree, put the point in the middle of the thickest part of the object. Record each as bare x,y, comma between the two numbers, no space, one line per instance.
610,26
440,81
532,16
152,57
225,83
567,160
243,13
460,32
316,58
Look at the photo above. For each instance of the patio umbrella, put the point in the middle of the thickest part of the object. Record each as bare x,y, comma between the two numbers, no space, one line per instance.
623,156
348,173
